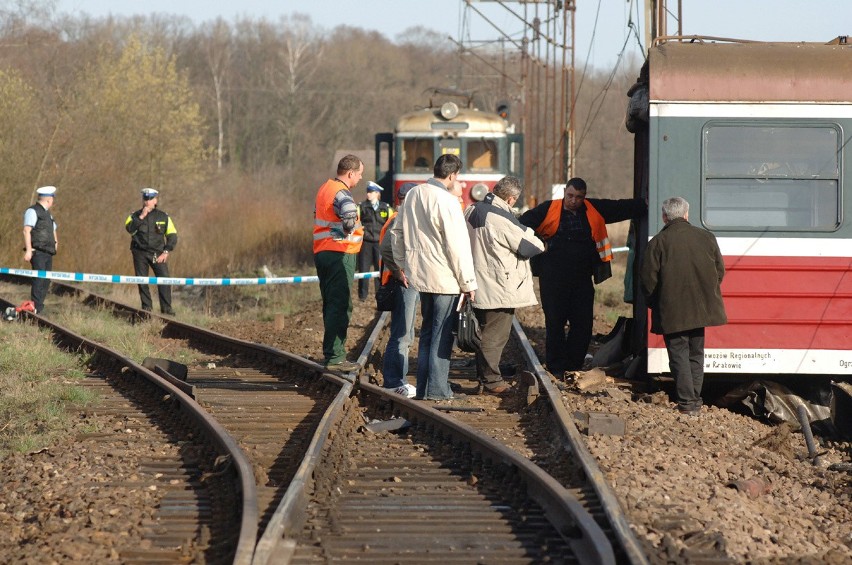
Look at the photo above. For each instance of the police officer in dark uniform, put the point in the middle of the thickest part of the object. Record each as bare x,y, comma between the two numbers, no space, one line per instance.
40,242
153,237
374,215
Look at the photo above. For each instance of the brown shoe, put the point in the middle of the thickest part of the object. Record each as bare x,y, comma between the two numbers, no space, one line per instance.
497,389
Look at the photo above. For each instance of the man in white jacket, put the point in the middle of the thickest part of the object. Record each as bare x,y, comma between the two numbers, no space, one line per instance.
502,248
432,247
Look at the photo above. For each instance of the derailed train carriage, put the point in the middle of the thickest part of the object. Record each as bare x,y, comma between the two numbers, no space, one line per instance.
756,136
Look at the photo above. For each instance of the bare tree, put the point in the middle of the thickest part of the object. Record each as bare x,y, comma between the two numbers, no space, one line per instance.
218,48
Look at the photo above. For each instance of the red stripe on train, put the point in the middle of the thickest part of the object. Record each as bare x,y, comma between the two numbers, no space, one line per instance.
784,303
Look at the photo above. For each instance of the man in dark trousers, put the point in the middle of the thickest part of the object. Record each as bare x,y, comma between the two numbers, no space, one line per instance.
153,237
681,274
40,242
502,248
578,247
337,239
374,215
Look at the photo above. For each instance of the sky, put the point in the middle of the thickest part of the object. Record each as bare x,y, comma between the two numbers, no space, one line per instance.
600,41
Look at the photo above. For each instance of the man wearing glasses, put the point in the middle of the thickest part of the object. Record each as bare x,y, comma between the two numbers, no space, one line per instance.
153,237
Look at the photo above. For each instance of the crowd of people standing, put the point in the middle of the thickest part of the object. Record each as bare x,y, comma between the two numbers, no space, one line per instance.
441,253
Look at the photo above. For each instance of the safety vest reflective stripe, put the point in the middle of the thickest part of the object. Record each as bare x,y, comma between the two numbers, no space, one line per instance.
327,234
599,233
604,249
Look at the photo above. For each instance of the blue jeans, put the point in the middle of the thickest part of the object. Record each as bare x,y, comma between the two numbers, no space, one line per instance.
435,346
395,364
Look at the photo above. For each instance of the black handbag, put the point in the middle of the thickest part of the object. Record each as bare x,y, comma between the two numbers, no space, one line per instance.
468,334
388,294
601,271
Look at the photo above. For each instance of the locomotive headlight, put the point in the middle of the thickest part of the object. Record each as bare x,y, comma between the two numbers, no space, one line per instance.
449,110
478,192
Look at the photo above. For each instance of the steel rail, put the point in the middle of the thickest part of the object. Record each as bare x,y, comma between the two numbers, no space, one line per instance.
562,509
576,444
217,434
277,541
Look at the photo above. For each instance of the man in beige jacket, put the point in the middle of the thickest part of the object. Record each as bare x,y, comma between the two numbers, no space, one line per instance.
432,248
502,248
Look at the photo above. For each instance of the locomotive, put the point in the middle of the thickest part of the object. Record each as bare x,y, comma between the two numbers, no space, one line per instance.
485,142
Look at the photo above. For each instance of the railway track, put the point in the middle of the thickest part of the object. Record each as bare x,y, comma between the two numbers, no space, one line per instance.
535,422
380,478
204,509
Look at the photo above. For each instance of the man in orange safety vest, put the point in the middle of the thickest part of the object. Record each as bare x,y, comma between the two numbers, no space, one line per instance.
337,239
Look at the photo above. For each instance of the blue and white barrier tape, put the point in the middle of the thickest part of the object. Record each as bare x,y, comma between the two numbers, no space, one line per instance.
122,279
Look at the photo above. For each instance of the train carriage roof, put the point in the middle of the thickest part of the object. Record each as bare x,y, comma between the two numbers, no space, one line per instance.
479,122
750,72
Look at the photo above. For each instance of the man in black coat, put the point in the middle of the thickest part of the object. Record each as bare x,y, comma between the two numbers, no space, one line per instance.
578,249
681,274
374,214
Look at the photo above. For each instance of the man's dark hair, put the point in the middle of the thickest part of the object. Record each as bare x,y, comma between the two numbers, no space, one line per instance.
578,184
348,163
446,165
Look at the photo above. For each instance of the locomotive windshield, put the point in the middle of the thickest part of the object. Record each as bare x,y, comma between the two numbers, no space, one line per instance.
417,155
482,156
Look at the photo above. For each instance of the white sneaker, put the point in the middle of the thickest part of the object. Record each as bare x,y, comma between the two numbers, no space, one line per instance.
407,390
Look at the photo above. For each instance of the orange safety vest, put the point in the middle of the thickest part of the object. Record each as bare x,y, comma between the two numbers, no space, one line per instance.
328,229
550,224
386,274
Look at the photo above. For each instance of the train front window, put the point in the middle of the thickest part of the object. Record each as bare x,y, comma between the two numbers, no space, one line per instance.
482,156
771,177
417,155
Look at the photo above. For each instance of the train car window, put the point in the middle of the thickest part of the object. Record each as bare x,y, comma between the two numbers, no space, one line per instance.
417,155
771,177
481,155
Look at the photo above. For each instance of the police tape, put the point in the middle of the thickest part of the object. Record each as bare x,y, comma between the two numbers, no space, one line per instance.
122,279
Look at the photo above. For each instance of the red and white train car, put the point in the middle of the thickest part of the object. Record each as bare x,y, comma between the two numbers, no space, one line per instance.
756,136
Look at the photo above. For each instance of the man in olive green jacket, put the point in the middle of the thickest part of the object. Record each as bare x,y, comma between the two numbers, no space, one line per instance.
681,274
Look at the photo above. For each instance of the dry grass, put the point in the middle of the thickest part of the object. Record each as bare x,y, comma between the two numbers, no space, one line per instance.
37,388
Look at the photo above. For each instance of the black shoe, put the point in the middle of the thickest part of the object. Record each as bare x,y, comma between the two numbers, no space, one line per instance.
169,312
344,366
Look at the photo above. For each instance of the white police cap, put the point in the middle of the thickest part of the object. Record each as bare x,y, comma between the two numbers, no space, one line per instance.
373,187
149,193
46,191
